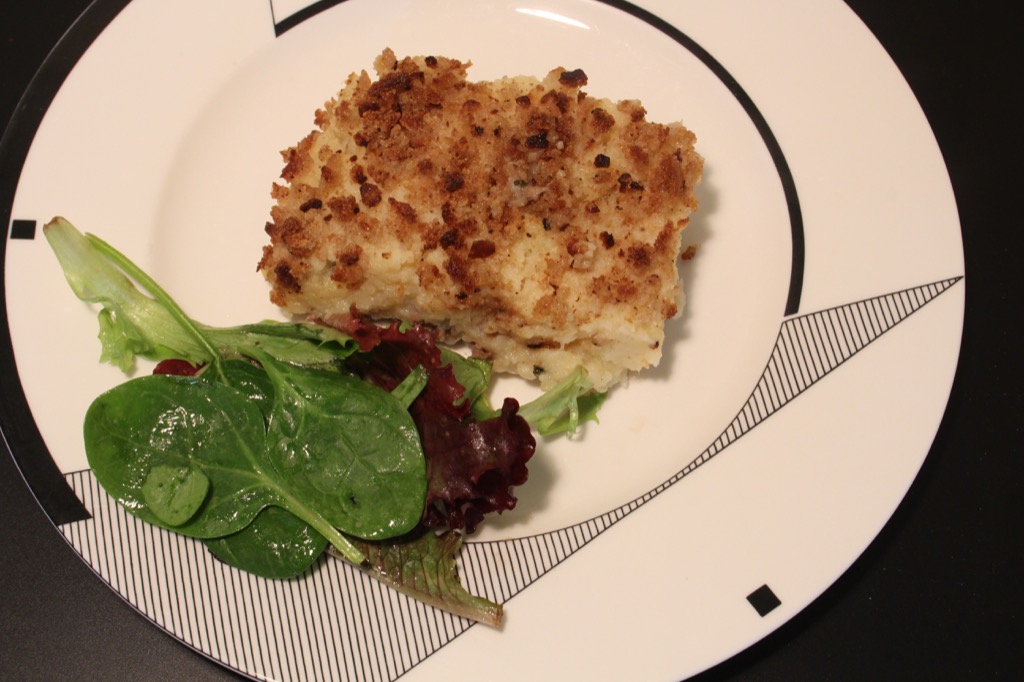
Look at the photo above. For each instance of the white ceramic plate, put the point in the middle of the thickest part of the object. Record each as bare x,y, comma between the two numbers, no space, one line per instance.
829,282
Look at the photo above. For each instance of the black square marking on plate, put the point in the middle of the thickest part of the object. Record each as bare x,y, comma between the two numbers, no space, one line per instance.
23,229
763,600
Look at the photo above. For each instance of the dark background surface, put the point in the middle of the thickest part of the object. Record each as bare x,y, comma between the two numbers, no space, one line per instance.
936,597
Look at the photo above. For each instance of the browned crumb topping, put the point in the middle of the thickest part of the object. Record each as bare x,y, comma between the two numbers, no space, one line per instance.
518,210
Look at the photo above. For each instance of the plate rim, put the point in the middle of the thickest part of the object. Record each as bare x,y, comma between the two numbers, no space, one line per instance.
5,206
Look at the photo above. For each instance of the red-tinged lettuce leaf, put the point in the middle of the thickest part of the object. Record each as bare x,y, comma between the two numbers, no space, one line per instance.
423,567
363,331
396,352
472,466
181,368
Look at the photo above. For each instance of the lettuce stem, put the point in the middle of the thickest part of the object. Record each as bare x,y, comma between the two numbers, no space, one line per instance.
164,299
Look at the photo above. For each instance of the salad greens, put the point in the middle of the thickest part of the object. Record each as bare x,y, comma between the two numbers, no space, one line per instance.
276,544
272,441
348,448
134,324
565,407
423,566
158,434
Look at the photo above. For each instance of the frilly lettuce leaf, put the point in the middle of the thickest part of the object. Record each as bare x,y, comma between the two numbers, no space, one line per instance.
423,567
564,408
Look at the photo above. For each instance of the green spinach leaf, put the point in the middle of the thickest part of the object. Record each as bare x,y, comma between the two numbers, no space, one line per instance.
248,378
475,377
183,423
175,493
166,421
277,544
348,448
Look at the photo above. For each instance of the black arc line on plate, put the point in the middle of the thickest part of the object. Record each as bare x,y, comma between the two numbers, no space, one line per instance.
17,426
807,349
796,221
344,625
293,20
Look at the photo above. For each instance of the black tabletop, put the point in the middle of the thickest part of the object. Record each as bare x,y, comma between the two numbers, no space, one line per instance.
936,596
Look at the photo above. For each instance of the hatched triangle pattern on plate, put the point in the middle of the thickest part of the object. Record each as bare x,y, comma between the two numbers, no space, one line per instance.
807,348
336,623
333,624
811,346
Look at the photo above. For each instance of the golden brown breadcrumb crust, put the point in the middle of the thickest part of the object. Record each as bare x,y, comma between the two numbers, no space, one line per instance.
524,217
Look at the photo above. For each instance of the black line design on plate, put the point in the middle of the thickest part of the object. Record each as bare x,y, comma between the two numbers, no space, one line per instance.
336,623
763,600
308,12
23,229
796,221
